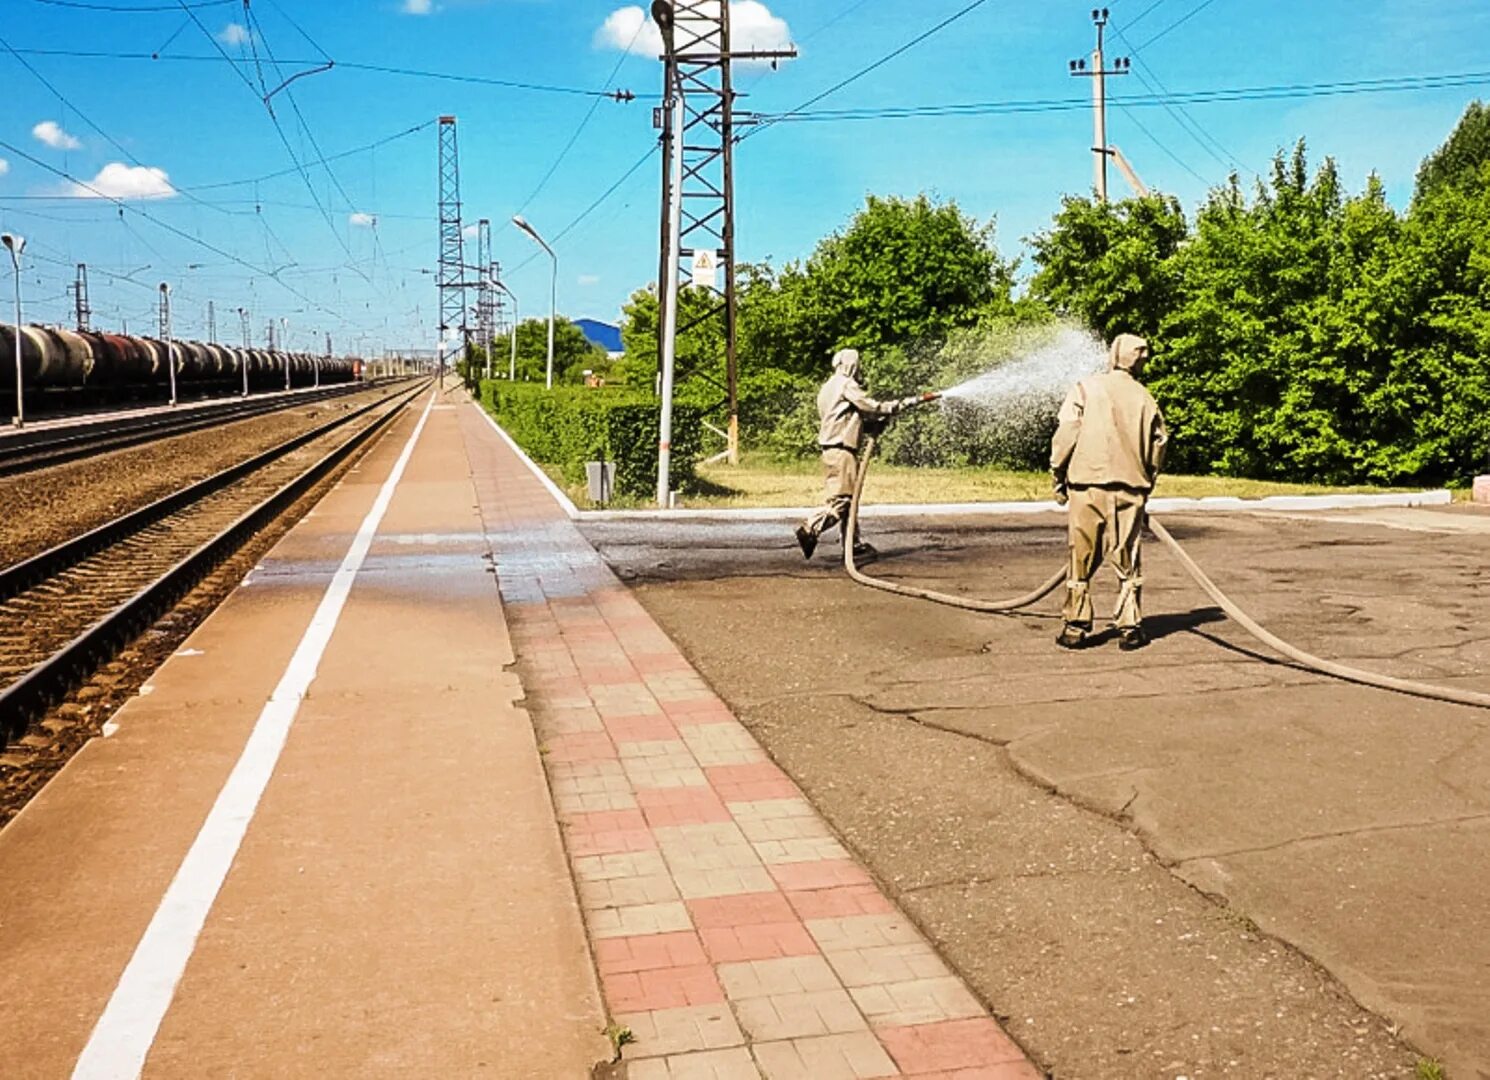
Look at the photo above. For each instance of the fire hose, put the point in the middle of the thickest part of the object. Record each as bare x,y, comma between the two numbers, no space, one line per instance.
1210,588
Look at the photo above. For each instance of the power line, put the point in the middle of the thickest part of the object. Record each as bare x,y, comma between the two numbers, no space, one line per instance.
1156,141
589,115
129,9
182,233
1395,84
348,65
384,141
1144,13
587,211
1196,10
881,62
1192,127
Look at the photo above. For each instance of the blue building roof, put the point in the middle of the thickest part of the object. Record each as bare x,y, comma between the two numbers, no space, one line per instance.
605,335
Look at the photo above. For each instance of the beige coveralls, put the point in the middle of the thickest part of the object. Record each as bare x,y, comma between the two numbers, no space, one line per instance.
1106,454
842,405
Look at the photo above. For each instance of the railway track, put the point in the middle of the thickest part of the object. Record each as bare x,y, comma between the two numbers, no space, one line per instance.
28,451
66,612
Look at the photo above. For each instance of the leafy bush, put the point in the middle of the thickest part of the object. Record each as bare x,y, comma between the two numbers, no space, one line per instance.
568,426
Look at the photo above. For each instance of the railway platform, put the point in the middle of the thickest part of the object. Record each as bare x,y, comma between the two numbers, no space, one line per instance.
432,795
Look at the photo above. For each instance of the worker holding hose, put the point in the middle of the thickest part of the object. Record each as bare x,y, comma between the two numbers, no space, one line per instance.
1105,457
842,406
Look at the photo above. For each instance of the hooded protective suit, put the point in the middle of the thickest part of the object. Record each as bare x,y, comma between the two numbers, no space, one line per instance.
842,406
1106,454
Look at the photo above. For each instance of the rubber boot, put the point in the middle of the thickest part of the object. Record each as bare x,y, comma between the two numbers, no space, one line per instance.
1073,637
806,540
863,550
1132,638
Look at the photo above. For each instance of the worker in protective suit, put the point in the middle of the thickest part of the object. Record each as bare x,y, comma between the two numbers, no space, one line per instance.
1105,457
842,406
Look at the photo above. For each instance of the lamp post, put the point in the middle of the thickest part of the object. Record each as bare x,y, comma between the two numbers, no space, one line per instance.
662,15
553,293
247,342
165,334
15,245
512,359
284,344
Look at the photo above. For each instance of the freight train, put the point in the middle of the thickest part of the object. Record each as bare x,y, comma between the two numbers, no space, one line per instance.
60,367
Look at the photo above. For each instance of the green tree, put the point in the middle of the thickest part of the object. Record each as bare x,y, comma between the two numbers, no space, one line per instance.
903,271
1461,156
573,352
1110,265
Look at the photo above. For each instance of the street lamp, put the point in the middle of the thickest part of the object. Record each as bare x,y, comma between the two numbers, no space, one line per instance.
15,245
165,333
553,292
662,15
512,359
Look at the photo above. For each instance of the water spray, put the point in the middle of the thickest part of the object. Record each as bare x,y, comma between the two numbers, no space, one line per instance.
985,387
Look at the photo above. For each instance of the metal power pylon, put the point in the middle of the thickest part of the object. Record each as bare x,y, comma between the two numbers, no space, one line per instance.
699,64
452,272
486,311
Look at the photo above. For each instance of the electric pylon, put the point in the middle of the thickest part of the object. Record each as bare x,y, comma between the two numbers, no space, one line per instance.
703,59
451,279
486,315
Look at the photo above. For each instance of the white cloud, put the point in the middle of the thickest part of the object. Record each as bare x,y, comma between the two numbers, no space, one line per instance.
4,166
51,133
628,28
234,34
120,181
417,7
470,232
752,26
589,279
361,220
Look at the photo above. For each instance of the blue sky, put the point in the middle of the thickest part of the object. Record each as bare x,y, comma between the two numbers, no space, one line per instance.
200,123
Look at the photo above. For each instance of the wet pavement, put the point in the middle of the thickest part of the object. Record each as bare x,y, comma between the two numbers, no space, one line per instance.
1139,859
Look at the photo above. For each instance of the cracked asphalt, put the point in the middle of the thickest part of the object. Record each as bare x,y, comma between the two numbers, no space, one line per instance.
1192,861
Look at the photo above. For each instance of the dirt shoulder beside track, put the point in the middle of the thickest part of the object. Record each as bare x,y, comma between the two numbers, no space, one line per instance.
48,506
1138,859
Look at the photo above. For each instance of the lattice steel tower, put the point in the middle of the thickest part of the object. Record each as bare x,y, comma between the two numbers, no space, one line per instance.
451,277
486,310
703,57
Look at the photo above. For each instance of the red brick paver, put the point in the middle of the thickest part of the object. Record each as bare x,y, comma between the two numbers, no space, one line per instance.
734,935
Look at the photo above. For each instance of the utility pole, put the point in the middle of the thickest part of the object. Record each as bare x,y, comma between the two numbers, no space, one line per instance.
1098,73
211,323
165,336
81,310
247,343
284,343
699,67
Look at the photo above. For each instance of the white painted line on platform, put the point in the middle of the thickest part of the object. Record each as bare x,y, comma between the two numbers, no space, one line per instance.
125,1032
565,502
1213,504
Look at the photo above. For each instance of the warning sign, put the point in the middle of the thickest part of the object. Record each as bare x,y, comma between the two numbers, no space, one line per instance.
706,269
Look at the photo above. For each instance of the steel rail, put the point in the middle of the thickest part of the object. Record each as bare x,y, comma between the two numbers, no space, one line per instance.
47,681
22,454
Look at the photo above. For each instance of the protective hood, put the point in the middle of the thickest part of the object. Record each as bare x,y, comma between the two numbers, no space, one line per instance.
1127,351
846,362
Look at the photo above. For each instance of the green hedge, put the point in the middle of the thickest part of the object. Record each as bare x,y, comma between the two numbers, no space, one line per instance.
570,425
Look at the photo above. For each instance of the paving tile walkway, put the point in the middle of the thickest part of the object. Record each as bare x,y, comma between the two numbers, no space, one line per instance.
733,934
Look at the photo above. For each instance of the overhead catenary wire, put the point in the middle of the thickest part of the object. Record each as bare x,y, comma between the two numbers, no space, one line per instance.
1181,21
1389,84
899,50
341,65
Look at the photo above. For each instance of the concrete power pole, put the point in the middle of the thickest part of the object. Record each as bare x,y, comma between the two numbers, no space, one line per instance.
80,297
211,323
1098,73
